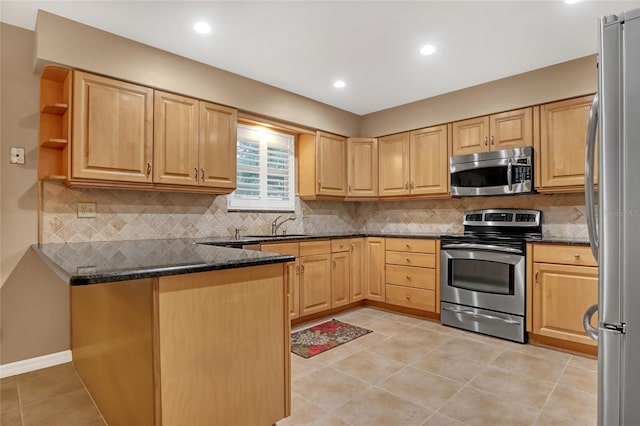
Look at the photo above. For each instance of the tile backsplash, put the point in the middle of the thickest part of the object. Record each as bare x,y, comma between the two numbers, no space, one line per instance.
133,215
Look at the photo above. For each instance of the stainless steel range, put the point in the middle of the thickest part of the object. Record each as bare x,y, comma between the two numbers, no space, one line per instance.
483,272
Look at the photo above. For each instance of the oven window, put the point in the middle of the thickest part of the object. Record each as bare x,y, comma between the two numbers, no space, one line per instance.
480,178
482,276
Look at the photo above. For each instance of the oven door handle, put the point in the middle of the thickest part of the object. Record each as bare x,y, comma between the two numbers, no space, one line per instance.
482,247
478,315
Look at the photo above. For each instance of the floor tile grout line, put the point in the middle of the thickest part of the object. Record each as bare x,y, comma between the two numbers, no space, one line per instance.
551,393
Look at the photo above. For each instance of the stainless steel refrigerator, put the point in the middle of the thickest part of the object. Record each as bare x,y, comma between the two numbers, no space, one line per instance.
615,232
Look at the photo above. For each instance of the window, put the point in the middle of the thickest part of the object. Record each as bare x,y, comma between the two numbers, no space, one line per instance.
265,176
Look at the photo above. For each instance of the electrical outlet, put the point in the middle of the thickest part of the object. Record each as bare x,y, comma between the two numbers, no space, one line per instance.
305,212
86,210
17,155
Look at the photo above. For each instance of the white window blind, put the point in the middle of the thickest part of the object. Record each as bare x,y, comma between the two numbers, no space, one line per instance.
265,176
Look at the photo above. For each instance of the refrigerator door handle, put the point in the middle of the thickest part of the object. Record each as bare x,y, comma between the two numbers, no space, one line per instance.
586,322
589,173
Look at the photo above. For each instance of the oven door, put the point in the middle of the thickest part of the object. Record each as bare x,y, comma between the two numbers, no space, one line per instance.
487,277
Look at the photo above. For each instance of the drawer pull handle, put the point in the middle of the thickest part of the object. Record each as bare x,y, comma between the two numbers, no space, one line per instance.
195,176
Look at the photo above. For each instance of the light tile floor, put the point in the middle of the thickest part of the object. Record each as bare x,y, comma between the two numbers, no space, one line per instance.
409,371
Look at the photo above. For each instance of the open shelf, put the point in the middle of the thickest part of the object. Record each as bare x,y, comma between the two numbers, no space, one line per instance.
54,143
55,109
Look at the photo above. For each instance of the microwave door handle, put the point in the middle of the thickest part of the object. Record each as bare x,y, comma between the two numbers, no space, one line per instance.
589,177
509,179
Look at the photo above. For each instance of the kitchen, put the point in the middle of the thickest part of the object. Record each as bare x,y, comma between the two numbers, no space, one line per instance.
136,214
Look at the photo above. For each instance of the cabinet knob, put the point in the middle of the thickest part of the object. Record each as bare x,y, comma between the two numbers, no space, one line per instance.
408,260
196,174
492,140
408,246
408,277
577,255
485,141
408,297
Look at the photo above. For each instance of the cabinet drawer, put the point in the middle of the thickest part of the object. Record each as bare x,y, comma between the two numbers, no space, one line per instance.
566,255
411,244
292,249
411,297
422,260
410,276
308,248
343,244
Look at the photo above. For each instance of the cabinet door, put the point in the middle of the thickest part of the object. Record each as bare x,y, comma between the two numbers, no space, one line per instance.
374,269
218,146
357,279
561,295
471,136
175,133
331,164
293,275
563,130
315,283
429,161
362,157
112,129
393,154
340,266
511,129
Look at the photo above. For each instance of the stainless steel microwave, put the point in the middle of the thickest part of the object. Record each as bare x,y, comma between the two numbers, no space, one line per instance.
503,172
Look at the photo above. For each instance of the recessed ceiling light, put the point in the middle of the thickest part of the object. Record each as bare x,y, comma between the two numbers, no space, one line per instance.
202,27
572,1
339,84
427,49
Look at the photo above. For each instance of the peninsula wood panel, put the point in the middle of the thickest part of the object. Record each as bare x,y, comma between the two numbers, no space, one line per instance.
362,157
217,146
210,326
176,132
561,149
112,129
471,136
393,154
562,294
292,272
112,348
429,161
511,129
374,269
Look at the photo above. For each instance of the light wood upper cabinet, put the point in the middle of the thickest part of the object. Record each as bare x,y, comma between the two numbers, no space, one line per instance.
561,148
415,163
194,142
112,129
564,286
429,161
374,269
511,129
362,167
393,153
176,127
322,166
218,146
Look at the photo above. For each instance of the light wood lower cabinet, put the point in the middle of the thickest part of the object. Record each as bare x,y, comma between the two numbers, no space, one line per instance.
181,350
562,291
374,269
357,271
410,274
315,277
340,279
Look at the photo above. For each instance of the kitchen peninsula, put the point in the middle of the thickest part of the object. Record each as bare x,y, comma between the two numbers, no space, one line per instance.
169,332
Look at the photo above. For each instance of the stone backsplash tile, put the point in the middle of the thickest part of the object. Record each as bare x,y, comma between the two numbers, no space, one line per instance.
134,215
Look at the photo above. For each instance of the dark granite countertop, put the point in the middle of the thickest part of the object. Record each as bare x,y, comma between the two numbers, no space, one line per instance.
563,240
109,261
248,240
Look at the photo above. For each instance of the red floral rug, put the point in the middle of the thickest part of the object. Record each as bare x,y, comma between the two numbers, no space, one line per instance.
322,337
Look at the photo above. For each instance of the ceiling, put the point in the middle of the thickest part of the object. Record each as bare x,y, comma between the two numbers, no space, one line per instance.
304,46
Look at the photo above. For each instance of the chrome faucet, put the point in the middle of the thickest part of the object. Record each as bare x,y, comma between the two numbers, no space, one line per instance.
275,225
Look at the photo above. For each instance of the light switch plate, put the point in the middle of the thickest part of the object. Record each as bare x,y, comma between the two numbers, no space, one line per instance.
17,155
86,210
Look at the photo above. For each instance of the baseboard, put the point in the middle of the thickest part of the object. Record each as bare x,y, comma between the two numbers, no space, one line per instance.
32,364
